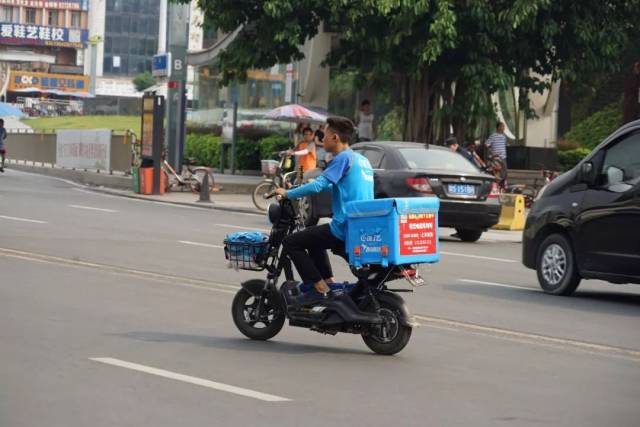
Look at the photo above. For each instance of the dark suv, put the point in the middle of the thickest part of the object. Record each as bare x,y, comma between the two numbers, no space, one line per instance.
586,223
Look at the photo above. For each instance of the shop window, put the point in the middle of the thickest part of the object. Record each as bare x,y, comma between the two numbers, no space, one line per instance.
30,16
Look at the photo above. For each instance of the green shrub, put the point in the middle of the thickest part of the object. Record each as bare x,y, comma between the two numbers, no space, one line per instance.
390,127
204,148
271,144
569,158
594,129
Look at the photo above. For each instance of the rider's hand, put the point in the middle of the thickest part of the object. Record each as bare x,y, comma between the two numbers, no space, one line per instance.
280,193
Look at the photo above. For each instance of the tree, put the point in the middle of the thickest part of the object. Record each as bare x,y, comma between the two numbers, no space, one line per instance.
446,55
143,81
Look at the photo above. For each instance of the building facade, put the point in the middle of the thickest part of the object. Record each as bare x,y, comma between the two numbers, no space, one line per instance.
42,47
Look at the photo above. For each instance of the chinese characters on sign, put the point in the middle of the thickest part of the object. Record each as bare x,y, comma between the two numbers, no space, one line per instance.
41,35
418,234
68,4
68,83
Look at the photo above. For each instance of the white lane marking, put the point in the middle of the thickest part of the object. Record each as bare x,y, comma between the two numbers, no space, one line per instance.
13,218
89,208
185,282
531,338
191,380
241,227
500,285
488,258
205,245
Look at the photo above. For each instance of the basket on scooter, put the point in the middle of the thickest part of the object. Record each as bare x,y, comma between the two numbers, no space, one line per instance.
247,250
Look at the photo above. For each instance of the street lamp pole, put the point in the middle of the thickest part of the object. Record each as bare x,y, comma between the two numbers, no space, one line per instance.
94,42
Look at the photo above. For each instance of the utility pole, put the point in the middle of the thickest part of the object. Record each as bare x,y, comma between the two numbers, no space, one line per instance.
177,24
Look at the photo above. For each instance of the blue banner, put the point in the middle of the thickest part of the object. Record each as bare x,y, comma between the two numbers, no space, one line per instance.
39,35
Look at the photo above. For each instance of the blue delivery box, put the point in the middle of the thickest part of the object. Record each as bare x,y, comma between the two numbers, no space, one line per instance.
393,231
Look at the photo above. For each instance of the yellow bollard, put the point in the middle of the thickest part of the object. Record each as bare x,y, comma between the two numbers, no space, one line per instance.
512,215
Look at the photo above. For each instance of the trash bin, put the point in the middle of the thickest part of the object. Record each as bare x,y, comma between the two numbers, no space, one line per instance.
146,180
135,180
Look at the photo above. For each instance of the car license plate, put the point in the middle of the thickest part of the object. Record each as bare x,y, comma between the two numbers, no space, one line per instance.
462,189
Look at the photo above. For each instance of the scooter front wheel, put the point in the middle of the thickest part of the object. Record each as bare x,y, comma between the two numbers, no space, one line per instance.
390,337
258,323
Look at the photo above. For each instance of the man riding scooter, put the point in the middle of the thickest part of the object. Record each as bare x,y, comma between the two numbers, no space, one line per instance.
350,178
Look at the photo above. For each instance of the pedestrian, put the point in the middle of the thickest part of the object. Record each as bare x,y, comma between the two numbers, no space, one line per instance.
471,147
3,150
305,151
631,102
497,144
453,145
322,157
364,122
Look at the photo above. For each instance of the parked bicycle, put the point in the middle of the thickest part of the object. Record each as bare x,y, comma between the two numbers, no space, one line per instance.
274,177
190,177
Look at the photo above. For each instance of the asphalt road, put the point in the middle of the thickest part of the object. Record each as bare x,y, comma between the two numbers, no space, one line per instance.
116,312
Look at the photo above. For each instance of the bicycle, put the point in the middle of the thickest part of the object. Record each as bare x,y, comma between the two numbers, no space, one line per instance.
274,177
191,176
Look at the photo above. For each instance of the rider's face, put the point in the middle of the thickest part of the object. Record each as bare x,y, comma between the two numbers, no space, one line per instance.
331,140
308,136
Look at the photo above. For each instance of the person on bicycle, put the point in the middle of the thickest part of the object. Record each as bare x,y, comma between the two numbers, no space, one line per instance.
305,151
350,177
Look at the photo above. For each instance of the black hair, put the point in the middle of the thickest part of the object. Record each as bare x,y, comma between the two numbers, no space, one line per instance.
365,102
306,129
498,125
319,134
342,126
450,141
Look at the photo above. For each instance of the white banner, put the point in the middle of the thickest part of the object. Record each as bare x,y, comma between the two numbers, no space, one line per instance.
83,149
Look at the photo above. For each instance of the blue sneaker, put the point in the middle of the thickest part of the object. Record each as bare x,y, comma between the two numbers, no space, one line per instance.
312,297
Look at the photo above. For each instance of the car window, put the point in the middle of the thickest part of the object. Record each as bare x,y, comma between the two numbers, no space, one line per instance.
424,158
622,161
374,156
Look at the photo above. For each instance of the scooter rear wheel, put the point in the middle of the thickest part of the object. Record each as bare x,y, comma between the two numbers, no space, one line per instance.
243,311
392,336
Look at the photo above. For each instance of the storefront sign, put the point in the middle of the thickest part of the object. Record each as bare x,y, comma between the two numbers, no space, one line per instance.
418,234
39,35
46,81
68,4
83,149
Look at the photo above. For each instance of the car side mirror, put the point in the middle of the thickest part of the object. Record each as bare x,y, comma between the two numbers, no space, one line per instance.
588,173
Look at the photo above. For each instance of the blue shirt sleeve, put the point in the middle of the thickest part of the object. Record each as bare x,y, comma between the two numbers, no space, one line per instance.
338,167
318,185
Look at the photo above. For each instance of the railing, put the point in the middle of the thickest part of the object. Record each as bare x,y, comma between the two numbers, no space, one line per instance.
39,148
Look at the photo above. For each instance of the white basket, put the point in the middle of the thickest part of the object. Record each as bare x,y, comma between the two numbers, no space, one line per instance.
269,167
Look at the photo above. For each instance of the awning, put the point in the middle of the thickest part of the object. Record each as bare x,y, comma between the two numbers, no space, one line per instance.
26,56
54,92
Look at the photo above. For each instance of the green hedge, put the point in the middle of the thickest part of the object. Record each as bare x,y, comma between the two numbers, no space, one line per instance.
206,150
594,129
569,158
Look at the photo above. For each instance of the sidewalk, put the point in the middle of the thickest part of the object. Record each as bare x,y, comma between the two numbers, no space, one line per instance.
219,200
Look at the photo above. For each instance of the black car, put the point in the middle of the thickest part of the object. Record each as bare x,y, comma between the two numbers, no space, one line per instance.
469,198
586,223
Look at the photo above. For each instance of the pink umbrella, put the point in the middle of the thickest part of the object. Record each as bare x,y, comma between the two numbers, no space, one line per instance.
295,113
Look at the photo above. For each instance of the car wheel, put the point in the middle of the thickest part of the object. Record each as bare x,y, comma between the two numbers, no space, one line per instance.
556,267
467,235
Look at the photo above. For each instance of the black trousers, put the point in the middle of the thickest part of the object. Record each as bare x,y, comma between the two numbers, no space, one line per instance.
308,251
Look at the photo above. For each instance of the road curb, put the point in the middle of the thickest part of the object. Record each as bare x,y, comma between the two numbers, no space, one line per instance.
213,205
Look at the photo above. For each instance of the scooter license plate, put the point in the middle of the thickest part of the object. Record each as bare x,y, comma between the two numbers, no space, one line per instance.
415,279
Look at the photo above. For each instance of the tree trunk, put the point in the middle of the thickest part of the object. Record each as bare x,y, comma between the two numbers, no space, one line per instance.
417,92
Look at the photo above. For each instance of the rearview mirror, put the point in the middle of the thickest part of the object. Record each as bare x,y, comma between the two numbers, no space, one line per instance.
588,173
